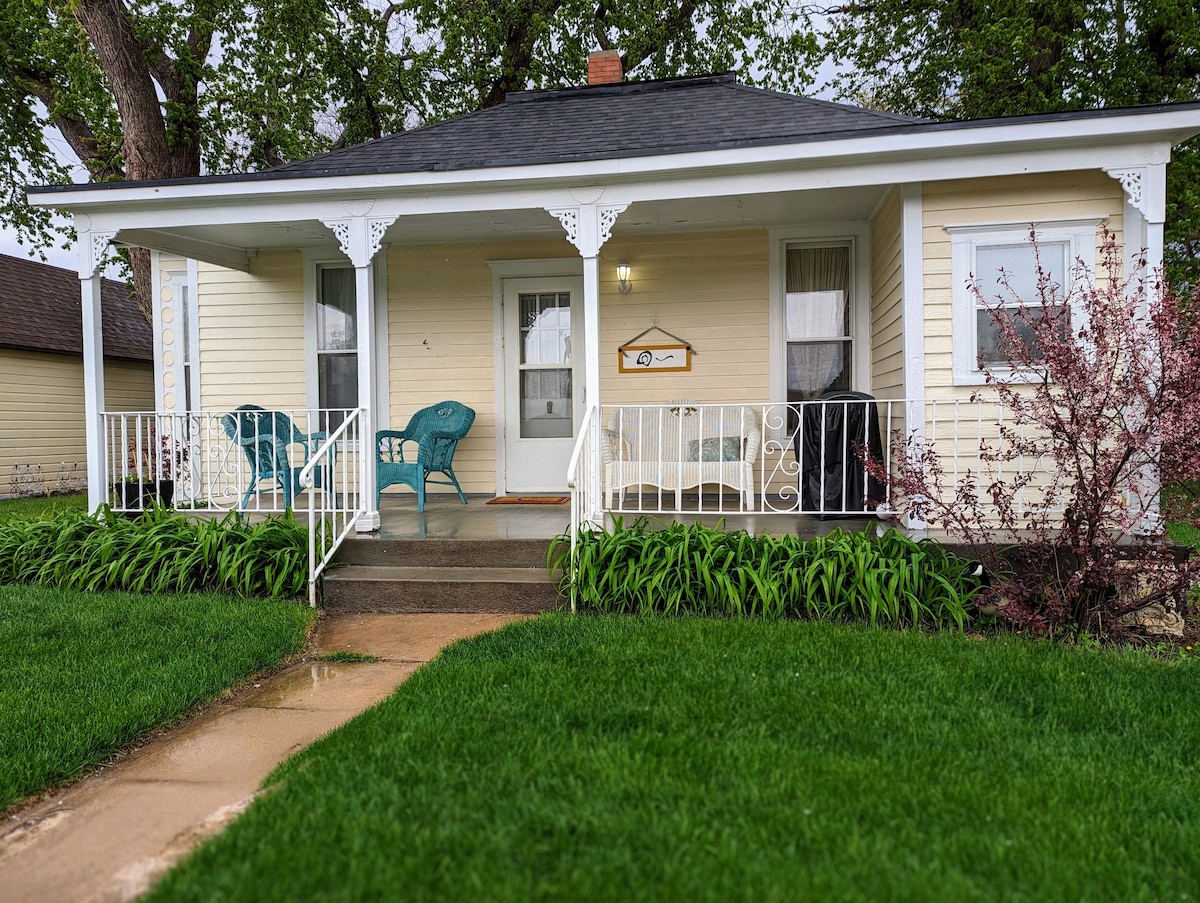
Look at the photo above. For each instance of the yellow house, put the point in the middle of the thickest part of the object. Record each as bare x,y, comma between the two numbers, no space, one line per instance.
42,423
607,273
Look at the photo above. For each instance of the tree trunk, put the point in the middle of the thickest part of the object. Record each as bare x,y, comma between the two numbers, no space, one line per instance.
147,152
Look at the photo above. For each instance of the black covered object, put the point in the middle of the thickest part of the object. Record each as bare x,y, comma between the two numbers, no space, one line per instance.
828,443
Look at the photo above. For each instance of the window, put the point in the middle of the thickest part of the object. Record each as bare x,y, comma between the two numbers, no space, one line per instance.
188,321
545,365
980,254
817,319
337,343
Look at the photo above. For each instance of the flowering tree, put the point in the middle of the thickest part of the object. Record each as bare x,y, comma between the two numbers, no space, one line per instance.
1103,391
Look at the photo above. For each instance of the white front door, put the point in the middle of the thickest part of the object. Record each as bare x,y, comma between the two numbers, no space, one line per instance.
543,381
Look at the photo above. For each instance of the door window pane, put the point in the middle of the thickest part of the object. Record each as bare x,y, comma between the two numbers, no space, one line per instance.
546,404
545,319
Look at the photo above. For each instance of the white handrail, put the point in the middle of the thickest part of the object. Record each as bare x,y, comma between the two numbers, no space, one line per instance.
306,474
323,523
584,441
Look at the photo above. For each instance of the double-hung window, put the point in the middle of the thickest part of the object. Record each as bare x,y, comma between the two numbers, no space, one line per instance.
992,255
337,343
817,316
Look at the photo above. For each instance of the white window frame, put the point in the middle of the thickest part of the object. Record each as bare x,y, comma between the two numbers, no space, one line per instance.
313,262
855,235
1079,235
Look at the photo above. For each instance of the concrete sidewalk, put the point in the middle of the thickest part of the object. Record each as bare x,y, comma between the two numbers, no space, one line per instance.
107,837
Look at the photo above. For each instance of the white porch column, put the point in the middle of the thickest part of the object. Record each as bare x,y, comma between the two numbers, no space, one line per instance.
92,249
360,237
1144,212
588,227
912,263
364,295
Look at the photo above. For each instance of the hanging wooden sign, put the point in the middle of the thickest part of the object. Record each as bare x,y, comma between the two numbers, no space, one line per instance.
656,358
651,356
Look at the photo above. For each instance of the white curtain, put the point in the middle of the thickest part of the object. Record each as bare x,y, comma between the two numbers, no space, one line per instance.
818,291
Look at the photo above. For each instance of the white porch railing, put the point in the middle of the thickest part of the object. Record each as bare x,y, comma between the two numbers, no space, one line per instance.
329,523
246,461
762,458
250,461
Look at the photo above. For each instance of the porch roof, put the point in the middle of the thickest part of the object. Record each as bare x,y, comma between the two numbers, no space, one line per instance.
657,118
701,152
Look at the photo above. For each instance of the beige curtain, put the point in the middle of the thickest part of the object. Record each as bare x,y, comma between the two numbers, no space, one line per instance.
818,292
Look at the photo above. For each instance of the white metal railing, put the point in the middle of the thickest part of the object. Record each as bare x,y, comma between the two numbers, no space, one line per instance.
583,479
795,458
244,460
338,477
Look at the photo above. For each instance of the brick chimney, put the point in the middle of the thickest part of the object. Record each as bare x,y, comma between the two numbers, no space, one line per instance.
604,67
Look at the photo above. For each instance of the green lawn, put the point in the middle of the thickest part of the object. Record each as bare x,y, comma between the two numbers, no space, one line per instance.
85,674
41,506
616,759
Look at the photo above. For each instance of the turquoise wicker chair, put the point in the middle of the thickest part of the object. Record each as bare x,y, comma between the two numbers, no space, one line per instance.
435,431
265,436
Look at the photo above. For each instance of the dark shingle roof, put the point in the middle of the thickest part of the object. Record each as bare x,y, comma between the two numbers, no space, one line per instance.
668,116
40,310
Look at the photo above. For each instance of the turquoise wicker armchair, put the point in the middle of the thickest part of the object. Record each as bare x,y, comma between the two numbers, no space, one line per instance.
265,436
435,431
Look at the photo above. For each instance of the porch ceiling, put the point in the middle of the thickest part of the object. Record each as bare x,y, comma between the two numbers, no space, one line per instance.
644,217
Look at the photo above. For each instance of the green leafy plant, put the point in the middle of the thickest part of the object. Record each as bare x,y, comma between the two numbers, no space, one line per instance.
161,551
693,569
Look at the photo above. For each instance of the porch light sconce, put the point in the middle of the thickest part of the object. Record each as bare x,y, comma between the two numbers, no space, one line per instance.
623,282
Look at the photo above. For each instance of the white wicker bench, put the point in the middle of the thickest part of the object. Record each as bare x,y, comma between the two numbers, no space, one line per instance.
680,445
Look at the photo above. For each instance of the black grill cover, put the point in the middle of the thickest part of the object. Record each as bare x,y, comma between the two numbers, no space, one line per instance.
838,429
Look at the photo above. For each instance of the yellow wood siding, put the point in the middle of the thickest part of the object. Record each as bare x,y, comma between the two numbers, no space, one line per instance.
42,407
709,289
252,334
887,300
440,338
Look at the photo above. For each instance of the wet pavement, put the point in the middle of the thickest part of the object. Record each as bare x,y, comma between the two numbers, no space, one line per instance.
107,837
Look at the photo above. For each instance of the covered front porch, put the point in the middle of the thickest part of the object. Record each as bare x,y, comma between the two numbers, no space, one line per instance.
727,308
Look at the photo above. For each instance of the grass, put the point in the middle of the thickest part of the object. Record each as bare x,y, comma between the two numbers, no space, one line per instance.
606,758
41,506
85,674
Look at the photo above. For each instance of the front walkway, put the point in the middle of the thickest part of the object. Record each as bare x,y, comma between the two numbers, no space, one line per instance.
107,837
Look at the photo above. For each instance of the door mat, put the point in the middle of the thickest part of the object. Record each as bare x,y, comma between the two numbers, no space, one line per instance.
529,500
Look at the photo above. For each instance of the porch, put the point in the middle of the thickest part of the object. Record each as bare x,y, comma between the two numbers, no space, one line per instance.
797,468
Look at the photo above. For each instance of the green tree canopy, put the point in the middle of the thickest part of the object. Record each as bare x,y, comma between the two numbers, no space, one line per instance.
150,89
981,58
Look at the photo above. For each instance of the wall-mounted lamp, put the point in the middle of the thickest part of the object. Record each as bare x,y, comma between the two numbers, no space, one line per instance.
623,282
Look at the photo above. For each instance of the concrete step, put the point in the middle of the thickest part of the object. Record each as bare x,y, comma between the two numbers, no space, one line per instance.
517,590
444,553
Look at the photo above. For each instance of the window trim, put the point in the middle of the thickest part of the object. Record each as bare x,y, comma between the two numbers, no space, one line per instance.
1079,235
857,237
313,261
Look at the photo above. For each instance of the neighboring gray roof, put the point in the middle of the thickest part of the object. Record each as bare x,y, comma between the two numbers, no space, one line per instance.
668,116
40,310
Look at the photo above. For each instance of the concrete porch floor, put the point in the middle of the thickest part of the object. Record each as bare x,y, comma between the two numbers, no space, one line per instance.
445,517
